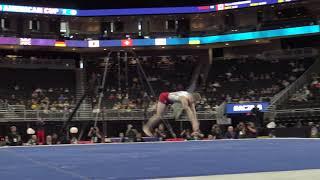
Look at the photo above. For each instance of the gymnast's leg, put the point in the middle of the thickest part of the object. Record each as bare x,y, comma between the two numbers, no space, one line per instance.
154,119
192,116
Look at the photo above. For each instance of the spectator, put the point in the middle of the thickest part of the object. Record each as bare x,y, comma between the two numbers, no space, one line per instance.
2,141
49,140
32,141
314,132
14,138
272,133
38,90
161,133
186,134
251,131
16,87
241,130
61,98
139,137
285,83
55,139
6,140
73,134
271,124
256,115
210,137
74,140
122,138
40,131
316,82
230,134
95,135
131,133
216,132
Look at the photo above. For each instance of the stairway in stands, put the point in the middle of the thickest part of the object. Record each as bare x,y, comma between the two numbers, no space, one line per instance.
285,94
85,110
200,74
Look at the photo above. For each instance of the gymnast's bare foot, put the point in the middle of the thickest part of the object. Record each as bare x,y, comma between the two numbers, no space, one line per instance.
146,130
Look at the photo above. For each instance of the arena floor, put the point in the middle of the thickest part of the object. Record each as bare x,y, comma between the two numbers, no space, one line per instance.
289,159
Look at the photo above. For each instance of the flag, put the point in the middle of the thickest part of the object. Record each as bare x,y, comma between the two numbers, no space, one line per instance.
25,41
194,41
60,44
160,41
95,43
220,7
127,42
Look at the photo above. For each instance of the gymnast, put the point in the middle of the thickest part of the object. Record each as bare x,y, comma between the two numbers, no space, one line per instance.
187,101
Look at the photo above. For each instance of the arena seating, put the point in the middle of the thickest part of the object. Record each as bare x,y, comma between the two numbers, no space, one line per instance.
175,73
232,80
239,80
37,88
306,97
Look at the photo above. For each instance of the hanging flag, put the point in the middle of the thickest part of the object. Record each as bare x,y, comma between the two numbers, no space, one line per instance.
160,41
25,41
194,41
60,44
127,42
94,43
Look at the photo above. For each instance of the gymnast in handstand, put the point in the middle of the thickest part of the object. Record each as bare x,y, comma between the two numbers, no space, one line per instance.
187,100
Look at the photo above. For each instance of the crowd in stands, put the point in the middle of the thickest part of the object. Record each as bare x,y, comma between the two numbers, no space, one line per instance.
48,100
306,97
47,90
164,74
232,80
251,79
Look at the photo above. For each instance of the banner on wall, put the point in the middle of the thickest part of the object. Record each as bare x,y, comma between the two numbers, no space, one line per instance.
236,108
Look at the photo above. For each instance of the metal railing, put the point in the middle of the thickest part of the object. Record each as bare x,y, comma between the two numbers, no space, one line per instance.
285,94
105,115
300,82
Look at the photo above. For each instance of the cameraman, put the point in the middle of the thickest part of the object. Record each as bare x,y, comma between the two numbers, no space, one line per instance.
257,116
95,135
14,138
251,131
131,133
246,130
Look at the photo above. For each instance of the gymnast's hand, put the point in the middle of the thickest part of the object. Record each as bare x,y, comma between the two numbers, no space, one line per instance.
196,133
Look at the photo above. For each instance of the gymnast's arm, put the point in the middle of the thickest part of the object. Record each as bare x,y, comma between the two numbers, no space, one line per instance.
193,109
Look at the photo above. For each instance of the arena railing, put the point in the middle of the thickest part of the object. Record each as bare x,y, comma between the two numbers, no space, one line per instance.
305,114
285,94
300,82
37,63
106,115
